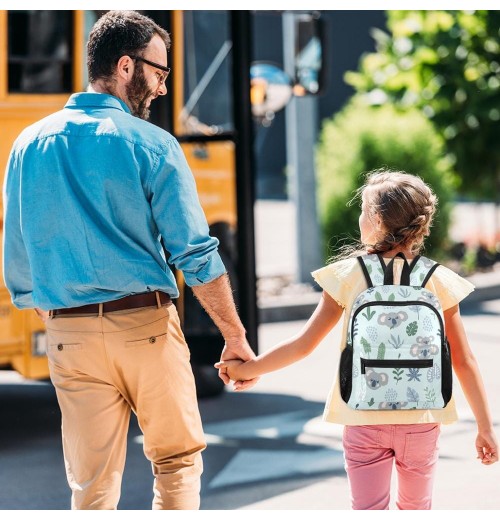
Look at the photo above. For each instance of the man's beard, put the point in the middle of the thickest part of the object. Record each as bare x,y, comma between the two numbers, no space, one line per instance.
138,93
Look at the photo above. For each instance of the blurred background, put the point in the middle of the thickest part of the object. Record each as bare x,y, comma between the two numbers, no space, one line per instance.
280,114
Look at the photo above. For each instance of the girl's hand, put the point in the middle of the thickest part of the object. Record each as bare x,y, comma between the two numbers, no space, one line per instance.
237,349
231,367
486,447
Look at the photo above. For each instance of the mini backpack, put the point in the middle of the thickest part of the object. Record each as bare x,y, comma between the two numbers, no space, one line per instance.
397,355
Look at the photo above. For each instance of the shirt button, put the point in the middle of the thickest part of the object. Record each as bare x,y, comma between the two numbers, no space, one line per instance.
60,346
152,339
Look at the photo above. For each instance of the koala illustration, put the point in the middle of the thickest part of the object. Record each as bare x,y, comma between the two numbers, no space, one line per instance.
392,319
385,405
375,380
423,348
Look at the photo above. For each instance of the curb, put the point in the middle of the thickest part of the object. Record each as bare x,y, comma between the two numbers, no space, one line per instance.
286,308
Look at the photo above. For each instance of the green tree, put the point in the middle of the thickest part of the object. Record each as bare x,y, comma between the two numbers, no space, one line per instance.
446,63
362,138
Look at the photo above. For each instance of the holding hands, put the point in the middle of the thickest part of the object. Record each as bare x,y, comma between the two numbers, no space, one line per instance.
234,370
236,352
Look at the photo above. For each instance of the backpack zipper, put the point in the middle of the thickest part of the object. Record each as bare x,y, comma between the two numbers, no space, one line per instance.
395,363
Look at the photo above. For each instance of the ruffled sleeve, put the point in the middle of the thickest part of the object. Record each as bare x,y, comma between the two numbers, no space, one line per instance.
335,280
450,287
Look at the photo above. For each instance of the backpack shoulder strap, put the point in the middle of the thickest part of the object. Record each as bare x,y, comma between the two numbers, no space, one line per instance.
375,269
422,271
364,268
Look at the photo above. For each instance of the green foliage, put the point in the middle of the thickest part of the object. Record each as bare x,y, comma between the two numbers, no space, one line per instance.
412,328
366,346
368,314
446,63
362,138
398,374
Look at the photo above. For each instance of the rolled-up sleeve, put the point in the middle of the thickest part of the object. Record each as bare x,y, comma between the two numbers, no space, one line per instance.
180,219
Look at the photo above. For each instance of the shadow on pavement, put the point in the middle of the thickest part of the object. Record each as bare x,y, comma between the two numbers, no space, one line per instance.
479,308
28,412
260,446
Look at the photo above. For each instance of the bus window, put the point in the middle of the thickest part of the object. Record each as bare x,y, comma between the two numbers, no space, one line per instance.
207,108
40,51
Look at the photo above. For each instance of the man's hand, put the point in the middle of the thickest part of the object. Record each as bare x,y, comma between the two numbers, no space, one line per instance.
237,348
216,298
43,315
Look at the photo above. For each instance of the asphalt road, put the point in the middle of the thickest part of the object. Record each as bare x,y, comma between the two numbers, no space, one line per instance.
267,448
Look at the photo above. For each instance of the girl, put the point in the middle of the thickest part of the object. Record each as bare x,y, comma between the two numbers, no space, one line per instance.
396,216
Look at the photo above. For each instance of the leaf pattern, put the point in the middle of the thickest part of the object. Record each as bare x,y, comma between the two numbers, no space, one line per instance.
366,346
412,395
430,394
433,373
395,343
412,328
411,386
398,374
368,314
414,374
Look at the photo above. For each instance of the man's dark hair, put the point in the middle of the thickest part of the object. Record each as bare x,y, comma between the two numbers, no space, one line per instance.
116,34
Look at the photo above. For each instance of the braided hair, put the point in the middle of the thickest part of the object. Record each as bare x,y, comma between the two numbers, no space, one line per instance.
406,206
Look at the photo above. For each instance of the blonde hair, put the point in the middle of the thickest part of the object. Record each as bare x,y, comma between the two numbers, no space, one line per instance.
405,205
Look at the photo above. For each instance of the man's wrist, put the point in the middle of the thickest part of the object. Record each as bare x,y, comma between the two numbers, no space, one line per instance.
235,335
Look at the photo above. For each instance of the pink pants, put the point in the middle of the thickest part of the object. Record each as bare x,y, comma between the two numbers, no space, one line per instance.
369,452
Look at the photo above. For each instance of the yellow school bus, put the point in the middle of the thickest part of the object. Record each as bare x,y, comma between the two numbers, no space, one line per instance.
208,109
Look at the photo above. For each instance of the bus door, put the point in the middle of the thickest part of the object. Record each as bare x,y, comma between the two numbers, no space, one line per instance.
211,117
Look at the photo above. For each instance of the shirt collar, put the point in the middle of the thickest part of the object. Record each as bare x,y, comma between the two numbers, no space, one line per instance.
96,99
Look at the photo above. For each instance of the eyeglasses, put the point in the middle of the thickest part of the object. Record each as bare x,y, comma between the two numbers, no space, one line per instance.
166,70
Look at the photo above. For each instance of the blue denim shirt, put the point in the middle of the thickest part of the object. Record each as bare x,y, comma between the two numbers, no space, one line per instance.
89,192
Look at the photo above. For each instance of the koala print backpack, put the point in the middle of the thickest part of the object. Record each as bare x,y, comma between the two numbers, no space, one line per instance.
397,355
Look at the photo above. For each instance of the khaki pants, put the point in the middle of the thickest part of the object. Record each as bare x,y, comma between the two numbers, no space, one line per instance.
102,368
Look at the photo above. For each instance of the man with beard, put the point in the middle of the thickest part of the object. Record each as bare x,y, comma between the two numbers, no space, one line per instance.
89,193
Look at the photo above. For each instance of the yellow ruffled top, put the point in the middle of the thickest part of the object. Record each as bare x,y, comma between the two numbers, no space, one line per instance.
343,281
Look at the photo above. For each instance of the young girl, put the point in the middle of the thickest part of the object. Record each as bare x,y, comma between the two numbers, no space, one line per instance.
397,212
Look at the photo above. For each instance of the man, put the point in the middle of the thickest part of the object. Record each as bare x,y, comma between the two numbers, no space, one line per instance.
89,193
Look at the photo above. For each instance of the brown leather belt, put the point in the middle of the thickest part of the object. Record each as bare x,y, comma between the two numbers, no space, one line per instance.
134,301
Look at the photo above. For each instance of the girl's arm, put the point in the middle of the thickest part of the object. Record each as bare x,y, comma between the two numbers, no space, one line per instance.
325,316
467,371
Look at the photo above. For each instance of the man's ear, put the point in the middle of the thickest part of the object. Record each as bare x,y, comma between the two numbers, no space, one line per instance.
125,68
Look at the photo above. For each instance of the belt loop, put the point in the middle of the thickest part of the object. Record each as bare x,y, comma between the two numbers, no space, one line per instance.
158,300
101,306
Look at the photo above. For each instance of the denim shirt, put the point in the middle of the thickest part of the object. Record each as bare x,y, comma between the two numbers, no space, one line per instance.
89,192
